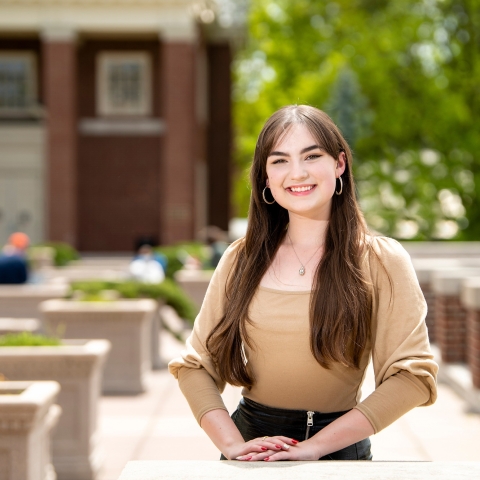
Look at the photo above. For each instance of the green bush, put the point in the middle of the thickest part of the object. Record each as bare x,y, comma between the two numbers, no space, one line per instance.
168,291
64,253
176,255
27,339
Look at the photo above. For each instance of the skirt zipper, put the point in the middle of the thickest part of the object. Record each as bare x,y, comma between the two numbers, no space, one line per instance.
309,423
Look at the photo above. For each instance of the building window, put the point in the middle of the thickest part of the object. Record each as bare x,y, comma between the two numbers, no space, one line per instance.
18,82
124,83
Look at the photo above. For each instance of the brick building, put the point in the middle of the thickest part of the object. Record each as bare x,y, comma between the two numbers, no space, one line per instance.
115,120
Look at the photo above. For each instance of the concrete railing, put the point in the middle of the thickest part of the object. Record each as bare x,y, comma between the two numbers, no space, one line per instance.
360,470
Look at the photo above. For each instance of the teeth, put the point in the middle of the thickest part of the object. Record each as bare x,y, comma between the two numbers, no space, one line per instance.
300,189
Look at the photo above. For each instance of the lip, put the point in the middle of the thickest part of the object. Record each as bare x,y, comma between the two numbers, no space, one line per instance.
301,194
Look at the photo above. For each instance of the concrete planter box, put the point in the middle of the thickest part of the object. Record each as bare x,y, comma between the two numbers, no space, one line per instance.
22,301
77,366
27,416
194,283
125,323
18,325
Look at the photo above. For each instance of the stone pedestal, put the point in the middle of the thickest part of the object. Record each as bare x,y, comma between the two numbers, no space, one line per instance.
332,470
471,301
125,323
27,415
450,315
194,283
77,366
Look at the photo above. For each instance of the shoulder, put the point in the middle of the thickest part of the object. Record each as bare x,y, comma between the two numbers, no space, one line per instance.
229,258
389,255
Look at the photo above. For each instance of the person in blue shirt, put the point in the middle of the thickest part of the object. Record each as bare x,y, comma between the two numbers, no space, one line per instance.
13,262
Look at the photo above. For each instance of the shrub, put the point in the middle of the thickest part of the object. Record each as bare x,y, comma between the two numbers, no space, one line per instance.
176,255
27,339
168,291
64,253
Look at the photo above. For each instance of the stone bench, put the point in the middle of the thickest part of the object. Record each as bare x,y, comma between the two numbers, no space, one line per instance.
218,470
466,250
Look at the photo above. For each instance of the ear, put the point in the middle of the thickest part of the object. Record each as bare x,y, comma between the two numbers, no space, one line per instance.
341,164
268,183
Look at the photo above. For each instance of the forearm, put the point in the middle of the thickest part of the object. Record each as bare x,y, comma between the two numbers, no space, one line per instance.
346,430
218,425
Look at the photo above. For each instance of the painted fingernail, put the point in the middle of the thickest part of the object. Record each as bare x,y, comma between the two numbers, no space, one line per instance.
294,441
248,458
278,446
266,459
264,449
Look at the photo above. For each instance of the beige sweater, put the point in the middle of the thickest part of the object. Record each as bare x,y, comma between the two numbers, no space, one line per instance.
288,376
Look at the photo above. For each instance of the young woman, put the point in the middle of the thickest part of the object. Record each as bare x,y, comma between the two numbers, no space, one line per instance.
296,309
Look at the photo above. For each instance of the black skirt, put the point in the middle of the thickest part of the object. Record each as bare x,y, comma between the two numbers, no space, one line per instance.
255,420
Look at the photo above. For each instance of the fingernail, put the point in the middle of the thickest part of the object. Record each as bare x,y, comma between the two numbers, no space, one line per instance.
294,442
266,459
286,447
239,458
264,449
248,458
278,446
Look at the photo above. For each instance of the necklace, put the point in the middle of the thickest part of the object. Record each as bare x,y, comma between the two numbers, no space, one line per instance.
301,271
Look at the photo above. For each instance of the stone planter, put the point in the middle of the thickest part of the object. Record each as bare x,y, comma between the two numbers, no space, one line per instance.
22,301
27,416
125,323
18,325
194,283
77,366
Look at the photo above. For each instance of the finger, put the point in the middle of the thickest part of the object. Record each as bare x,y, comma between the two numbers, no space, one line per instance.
277,456
261,456
288,440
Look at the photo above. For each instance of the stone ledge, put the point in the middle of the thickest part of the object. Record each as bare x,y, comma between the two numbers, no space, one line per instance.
449,282
470,295
360,470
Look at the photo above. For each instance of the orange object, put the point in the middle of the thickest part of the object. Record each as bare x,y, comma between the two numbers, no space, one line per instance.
19,240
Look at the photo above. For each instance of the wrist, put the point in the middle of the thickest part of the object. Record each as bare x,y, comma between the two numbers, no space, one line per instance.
318,446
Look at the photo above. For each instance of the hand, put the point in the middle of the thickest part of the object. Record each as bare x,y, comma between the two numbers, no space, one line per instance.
259,448
306,450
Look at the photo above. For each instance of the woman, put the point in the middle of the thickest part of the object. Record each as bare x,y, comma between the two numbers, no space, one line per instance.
295,310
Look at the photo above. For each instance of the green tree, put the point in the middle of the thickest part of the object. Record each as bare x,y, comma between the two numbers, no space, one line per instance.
401,77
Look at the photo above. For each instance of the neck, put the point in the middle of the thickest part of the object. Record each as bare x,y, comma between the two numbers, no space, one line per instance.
306,232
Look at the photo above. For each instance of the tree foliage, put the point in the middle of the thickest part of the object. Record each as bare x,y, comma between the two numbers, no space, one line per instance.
402,80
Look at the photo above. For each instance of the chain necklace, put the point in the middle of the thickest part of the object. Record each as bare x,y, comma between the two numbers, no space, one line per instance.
301,271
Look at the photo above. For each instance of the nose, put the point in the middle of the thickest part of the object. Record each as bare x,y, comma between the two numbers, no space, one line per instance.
298,171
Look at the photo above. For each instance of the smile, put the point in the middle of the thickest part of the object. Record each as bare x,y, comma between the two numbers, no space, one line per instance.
301,189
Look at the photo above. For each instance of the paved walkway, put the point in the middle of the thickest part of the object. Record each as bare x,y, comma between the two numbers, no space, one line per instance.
158,425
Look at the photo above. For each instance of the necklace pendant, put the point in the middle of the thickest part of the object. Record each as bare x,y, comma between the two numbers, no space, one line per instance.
302,270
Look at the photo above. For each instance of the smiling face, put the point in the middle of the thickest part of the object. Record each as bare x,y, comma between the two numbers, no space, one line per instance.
301,175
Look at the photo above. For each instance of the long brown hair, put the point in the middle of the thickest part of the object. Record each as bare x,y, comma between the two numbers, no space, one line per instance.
340,304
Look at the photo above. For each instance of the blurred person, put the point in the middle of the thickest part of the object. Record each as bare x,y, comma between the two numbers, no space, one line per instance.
13,261
148,267
295,310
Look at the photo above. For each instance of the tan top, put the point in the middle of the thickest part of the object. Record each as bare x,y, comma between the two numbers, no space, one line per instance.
287,374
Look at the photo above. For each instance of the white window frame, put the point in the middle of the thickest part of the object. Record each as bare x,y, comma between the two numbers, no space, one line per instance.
104,105
32,82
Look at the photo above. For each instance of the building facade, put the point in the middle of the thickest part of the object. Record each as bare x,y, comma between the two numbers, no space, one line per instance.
115,121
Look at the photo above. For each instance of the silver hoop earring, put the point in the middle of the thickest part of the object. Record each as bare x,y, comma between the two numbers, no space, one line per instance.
264,199
341,186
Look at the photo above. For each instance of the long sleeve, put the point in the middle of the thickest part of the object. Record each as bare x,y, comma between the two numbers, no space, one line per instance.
405,373
195,371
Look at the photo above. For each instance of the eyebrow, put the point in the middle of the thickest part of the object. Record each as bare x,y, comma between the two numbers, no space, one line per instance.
305,150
